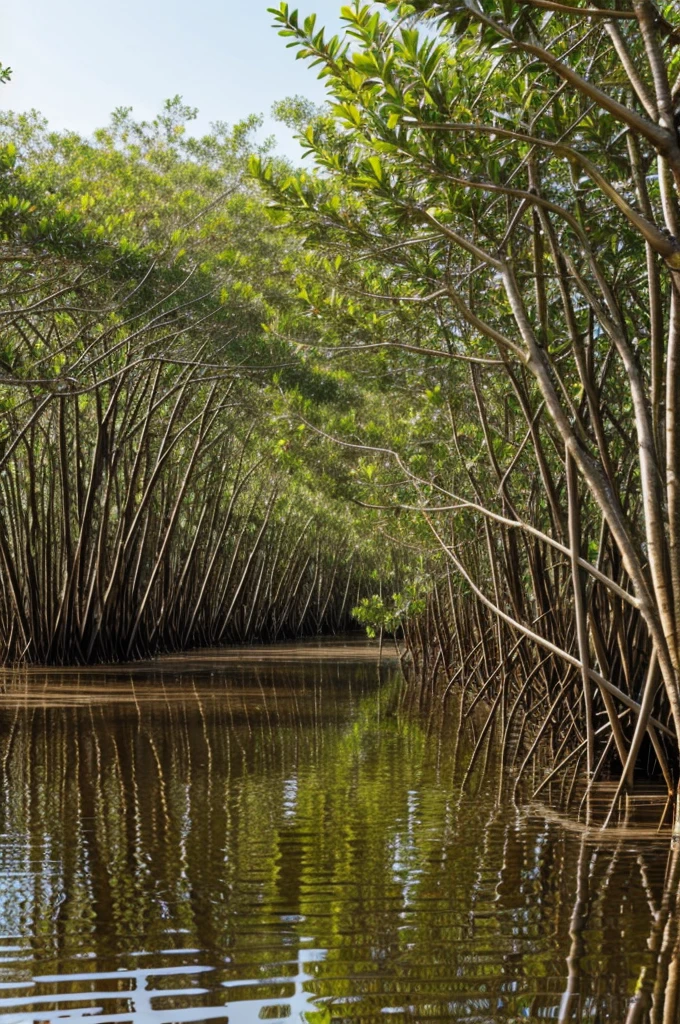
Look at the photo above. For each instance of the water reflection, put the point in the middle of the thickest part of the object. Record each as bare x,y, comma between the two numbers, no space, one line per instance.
263,841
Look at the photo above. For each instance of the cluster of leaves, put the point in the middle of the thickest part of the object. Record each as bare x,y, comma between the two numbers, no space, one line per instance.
378,614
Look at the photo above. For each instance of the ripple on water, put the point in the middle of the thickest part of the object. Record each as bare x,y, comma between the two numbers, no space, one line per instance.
261,840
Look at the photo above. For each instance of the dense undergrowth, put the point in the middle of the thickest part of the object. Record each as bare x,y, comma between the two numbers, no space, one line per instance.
149,499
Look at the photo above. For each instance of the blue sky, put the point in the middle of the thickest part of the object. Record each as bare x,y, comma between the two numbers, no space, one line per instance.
76,60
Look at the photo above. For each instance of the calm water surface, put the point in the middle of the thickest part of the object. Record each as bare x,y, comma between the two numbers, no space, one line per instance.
267,837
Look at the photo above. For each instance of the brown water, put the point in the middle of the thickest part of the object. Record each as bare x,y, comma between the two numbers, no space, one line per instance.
268,837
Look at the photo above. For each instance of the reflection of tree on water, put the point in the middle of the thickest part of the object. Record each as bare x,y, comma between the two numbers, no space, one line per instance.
300,848
656,995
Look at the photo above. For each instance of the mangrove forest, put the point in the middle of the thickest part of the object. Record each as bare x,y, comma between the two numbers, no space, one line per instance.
412,397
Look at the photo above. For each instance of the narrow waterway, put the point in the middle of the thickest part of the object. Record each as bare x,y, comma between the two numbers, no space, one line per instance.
267,836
